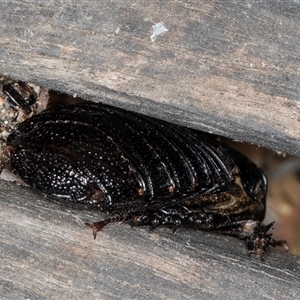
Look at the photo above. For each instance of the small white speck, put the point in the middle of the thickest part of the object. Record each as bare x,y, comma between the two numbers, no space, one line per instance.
117,30
158,29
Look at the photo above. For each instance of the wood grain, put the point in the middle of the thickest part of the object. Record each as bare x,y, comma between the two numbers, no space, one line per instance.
46,252
227,67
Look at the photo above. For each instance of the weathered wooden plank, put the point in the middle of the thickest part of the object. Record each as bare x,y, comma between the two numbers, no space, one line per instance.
47,253
227,67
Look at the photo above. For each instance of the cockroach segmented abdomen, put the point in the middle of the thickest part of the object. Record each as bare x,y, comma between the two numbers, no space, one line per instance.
142,171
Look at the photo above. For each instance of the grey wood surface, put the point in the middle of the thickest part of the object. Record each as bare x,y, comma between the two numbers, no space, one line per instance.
227,67
46,252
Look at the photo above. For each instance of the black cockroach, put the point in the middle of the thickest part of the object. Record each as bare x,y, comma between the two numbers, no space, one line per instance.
142,171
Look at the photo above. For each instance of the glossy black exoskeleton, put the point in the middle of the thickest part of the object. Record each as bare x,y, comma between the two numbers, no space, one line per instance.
143,171
17,100
20,95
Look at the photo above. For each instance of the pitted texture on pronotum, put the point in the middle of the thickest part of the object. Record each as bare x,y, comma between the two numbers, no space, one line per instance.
140,169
